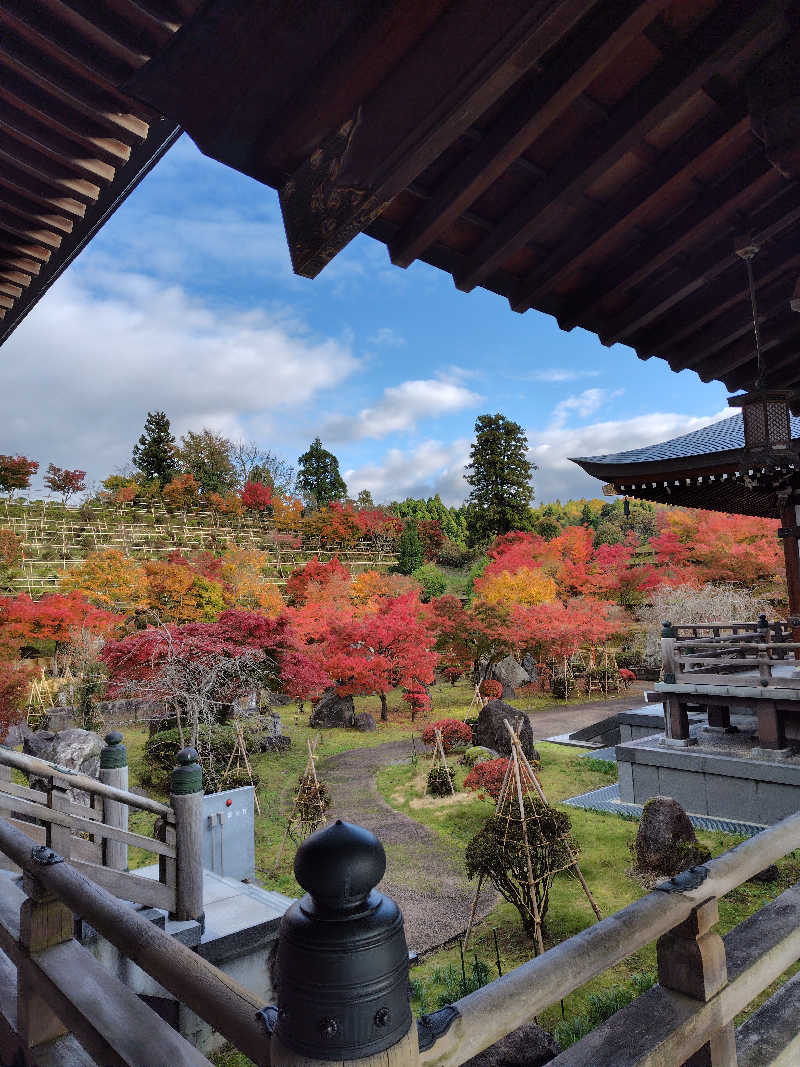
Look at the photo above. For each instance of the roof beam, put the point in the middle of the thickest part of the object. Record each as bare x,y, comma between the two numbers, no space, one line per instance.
27,257
420,109
778,216
731,348
741,353
611,221
21,209
16,276
535,108
719,39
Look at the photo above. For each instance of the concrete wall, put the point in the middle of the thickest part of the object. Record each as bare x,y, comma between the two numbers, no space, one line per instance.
744,790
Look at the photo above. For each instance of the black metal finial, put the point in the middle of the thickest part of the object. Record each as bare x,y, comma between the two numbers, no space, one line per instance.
339,865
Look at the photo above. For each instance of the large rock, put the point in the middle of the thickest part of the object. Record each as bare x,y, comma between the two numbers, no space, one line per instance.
332,710
510,675
491,732
529,1046
529,666
77,749
365,722
666,843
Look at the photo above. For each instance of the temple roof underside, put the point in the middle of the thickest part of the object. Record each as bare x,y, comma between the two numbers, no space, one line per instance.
701,469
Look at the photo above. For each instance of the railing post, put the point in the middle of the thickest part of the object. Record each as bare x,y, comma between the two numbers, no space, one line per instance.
43,922
186,800
691,960
668,652
114,771
59,838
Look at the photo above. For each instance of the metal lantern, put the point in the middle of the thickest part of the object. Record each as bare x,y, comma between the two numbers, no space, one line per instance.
767,425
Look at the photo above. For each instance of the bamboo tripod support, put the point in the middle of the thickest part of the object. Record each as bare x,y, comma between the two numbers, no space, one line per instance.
518,780
240,752
440,760
309,772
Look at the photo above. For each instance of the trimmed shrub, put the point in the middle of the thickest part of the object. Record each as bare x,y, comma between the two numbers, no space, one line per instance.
491,689
487,777
476,754
454,733
440,780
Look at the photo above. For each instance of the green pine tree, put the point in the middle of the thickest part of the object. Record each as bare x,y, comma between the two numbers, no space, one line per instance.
409,549
318,479
154,455
499,473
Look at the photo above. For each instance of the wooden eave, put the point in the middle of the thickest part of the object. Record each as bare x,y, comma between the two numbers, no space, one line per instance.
594,161
73,141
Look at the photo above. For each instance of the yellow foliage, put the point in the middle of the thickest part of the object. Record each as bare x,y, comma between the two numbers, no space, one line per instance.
369,586
177,594
526,587
107,578
245,585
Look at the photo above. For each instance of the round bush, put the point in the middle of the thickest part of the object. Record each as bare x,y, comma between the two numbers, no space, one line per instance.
487,777
440,780
476,754
490,689
454,734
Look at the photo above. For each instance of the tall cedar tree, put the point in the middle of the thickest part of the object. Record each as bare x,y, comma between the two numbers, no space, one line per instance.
499,473
208,457
154,455
318,478
409,551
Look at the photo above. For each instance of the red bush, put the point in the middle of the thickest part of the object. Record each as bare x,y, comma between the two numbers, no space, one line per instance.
490,689
454,733
487,777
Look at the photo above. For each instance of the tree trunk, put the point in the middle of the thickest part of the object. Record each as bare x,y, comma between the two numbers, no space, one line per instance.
385,710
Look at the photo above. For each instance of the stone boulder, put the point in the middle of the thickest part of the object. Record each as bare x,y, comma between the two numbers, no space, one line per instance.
332,710
77,749
510,675
529,666
666,843
529,1046
491,732
365,722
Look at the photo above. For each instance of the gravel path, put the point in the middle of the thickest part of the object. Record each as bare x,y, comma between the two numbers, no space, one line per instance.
423,874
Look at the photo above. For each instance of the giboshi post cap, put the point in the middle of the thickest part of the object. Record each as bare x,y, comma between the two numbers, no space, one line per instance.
114,737
187,756
339,865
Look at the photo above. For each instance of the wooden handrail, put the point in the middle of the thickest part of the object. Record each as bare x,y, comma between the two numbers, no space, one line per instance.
45,769
219,999
495,1010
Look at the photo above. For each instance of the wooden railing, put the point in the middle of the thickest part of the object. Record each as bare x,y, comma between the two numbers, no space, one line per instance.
95,837
54,992
730,654
704,980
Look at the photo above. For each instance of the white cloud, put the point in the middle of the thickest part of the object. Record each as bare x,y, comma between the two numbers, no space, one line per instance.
103,359
583,404
558,478
400,407
432,467
387,337
558,374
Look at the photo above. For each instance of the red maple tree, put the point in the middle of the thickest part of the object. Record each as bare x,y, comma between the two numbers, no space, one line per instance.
64,482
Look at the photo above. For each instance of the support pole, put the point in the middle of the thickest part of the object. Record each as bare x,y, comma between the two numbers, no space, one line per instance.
691,960
114,771
186,800
43,922
790,522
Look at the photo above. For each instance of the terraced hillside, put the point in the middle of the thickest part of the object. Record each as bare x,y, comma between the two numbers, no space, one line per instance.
57,537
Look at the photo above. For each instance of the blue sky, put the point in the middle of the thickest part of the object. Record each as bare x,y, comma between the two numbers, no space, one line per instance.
186,302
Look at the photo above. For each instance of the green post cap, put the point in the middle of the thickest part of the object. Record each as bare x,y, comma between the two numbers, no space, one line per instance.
115,754
188,775
667,629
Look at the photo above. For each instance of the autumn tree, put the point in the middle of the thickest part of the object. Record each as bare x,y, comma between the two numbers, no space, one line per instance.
182,492
154,454
64,482
302,581
256,496
253,463
10,553
108,578
208,457
16,472
15,680
318,478
499,474
177,593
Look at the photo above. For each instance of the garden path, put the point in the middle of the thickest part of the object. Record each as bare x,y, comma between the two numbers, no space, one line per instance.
423,873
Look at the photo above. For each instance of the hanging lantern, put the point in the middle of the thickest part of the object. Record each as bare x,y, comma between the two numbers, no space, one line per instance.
768,446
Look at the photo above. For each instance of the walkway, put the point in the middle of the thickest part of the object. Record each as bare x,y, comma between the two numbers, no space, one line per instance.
423,874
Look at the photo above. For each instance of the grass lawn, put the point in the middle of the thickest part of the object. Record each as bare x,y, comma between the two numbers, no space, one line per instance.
605,861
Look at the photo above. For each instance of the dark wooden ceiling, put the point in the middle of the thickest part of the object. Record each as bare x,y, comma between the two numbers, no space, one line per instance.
596,161
72,143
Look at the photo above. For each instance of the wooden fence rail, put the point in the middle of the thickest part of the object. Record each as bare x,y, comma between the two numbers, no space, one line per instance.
95,836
